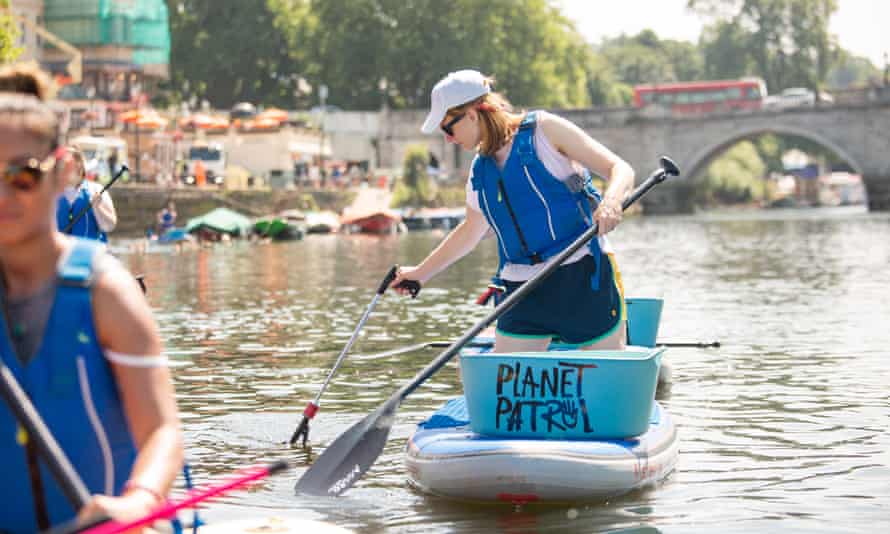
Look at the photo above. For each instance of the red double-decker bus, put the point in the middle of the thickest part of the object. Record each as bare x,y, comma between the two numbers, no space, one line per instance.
703,97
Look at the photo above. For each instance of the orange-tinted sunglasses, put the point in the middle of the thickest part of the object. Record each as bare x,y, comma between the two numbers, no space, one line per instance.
27,176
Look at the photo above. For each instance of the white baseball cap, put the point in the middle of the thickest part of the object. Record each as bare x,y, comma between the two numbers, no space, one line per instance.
453,90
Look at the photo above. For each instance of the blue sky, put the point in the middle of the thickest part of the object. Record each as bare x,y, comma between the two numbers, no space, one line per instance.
862,26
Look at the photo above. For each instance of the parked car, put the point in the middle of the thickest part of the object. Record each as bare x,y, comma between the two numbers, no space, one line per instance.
795,97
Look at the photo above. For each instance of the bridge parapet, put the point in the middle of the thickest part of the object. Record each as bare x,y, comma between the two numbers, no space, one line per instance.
856,127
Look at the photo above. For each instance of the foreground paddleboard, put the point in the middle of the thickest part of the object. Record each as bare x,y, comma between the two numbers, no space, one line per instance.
444,457
272,525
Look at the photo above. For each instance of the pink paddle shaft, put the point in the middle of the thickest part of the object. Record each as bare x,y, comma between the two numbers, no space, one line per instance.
193,497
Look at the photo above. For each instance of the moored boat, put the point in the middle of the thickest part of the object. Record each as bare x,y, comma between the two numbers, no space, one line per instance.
278,229
431,218
377,222
322,222
221,221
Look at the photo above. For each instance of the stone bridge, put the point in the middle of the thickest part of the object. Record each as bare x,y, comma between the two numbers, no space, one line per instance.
858,132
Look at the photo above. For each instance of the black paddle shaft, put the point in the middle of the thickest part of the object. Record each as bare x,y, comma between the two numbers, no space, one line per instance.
349,456
25,413
84,211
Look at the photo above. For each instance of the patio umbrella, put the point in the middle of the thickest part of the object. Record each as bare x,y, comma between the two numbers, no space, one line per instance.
275,114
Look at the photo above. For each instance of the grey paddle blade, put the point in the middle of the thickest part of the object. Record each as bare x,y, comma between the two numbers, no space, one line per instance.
350,455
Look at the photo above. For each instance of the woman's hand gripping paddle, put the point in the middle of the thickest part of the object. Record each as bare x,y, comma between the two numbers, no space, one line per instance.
355,451
302,430
169,509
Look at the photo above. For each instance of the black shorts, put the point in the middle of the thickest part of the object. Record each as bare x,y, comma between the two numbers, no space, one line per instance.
566,305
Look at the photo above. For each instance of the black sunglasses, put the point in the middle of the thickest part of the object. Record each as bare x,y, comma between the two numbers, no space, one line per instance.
448,126
27,176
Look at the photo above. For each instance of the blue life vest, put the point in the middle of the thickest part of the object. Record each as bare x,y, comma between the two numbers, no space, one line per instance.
87,226
534,214
166,221
72,387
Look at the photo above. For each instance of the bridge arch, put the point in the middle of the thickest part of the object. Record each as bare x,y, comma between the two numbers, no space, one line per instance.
704,156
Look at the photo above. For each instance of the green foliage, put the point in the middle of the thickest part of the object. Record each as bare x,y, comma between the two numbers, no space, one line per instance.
736,177
9,32
370,51
367,52
644,58
850,70
227,52
786,42
415,188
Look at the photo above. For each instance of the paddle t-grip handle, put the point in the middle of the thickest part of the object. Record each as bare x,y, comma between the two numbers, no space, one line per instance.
390,276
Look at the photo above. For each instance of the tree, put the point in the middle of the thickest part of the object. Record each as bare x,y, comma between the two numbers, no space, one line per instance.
645,58
787,40
735,177
368,51
9,33
850,70
228,52
722,45
415,188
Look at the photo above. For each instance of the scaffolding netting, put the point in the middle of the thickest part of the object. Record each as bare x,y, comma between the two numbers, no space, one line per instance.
138,24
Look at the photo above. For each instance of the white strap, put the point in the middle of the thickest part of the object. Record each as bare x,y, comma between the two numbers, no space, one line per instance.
130,360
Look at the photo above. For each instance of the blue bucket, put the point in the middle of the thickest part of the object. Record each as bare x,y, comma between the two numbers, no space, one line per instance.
573,394
643,317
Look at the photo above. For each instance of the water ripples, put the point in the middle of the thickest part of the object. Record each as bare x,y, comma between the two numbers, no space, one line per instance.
783,429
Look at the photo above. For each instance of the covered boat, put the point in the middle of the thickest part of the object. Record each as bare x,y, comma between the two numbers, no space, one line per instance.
220,221
322,222
278,229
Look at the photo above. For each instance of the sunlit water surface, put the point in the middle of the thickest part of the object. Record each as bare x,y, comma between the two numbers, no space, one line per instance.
783,428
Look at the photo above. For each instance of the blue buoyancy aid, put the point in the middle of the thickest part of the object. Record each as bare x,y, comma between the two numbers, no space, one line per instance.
87,226
534,214
72,387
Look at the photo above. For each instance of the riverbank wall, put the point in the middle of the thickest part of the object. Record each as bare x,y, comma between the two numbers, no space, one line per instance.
137,206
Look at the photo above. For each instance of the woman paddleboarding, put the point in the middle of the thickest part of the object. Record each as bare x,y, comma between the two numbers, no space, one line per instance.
529,185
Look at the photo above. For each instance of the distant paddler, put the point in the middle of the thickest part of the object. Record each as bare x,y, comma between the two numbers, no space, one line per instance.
85,208
166,218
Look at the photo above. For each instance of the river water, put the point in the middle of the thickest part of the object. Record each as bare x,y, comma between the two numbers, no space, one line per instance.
782,429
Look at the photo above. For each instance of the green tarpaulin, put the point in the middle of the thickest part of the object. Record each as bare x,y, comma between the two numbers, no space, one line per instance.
221,220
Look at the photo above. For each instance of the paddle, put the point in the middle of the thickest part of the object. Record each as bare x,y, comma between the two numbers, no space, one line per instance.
490,343
354,451
47,447
312,408
168,510
420,346
689,344
95,198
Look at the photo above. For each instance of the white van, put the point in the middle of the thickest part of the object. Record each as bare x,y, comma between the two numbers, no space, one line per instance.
103,156
212,156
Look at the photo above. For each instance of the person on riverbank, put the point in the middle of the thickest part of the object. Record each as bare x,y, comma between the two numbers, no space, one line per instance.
83,194
79,336
529,185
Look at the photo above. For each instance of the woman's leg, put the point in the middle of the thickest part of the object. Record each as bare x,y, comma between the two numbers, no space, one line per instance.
614,341
503,343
